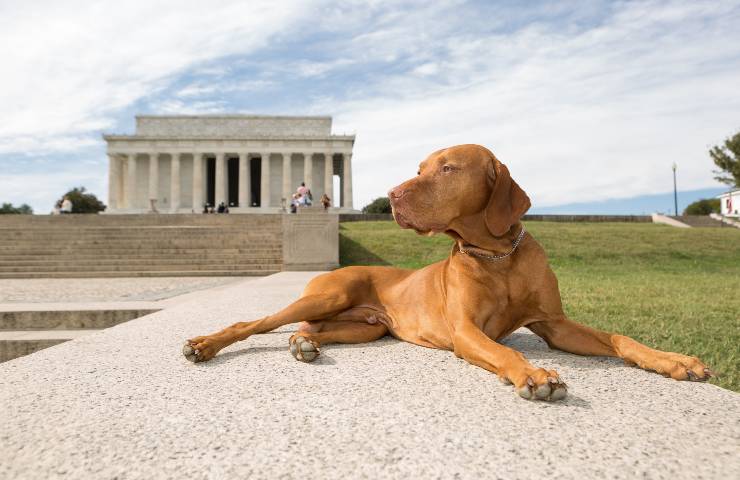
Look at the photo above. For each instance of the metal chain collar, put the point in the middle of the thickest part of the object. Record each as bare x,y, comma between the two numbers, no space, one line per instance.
497,257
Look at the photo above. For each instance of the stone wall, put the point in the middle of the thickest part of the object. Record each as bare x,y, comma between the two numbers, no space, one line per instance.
232,126
310,240
361,217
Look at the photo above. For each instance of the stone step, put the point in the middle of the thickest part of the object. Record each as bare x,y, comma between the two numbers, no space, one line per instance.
142,273
245,228
236,241
194,228
214,249
125,267
102,257
123,240
137,221
135,263
14,344
42,259
139,248
155,236
135,231
25,318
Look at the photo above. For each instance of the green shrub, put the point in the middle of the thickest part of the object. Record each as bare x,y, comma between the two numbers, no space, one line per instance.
84,202
20,209
705,206
379,205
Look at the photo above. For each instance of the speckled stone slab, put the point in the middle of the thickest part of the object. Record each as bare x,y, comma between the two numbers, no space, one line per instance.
59,290
124,403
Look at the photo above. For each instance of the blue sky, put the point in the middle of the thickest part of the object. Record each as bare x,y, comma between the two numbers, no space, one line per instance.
584,101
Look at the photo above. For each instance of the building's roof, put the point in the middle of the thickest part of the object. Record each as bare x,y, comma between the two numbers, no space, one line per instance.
239,115
230,126
116,136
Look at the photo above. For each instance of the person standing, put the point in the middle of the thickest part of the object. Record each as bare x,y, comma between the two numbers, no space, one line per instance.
325,201
302,189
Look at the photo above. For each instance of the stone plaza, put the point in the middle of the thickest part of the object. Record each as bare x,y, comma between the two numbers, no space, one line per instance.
251,163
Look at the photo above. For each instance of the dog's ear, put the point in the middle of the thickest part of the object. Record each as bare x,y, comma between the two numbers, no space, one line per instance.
508,202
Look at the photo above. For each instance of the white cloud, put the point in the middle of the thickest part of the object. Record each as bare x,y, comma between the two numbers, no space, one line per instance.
68,67
584,102
578,116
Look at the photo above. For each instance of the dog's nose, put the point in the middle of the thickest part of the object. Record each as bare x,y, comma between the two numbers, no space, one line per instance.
396,193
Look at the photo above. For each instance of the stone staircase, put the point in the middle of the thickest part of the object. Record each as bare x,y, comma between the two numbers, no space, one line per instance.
139,245
27,330
698,220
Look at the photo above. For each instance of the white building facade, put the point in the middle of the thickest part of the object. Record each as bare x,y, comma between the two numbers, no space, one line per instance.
252,163
729,203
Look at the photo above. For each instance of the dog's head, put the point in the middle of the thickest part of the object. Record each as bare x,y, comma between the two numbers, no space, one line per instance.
455,186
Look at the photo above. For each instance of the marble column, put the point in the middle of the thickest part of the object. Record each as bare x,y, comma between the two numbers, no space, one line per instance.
198,198
329,175
221,187
153,176
265,180
287,178
347,181
308,170
121,184
131,182
245,183
175,182
114,182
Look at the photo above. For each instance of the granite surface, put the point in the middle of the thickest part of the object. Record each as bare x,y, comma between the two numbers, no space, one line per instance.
124,403
80,290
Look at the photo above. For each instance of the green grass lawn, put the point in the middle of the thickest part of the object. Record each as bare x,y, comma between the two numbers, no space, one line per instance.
673,289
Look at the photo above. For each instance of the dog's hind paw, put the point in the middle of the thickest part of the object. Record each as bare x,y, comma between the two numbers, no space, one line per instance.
303,349
551,388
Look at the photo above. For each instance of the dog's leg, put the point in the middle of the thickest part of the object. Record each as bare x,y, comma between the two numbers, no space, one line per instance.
561,333
530,382
569,336
307,308
304,344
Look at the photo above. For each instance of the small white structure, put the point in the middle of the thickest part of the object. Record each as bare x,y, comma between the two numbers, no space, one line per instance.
252,163
729,203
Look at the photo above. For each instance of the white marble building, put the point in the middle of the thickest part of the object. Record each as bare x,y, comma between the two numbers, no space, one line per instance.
176,164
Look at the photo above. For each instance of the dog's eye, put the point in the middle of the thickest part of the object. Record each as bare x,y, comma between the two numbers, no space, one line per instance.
446,168
418,172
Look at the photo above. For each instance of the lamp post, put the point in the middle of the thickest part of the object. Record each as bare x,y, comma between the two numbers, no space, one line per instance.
675,194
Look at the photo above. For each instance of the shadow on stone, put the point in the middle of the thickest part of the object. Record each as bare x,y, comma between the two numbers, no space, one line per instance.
224,357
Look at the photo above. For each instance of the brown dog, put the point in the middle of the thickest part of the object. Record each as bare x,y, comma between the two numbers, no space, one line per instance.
495,280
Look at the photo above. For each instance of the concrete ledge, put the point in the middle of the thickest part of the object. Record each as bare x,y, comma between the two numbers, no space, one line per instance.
64,316
372,217
727,221
14,344
124,403
658,218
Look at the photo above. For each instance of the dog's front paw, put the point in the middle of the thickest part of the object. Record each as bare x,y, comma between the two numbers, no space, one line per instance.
199,349
539,384
677,366
303,349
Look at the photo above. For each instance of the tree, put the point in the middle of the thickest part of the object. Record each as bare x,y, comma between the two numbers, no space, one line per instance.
379,205
84,202
8,208
705,206
727,158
